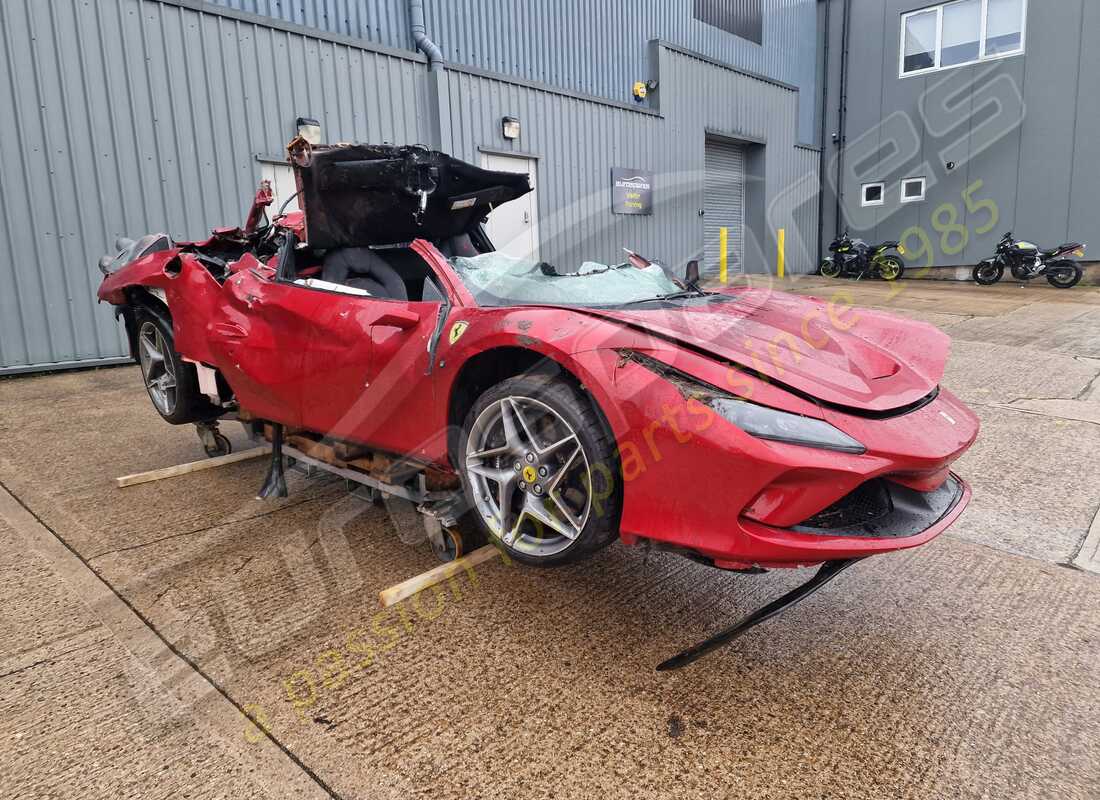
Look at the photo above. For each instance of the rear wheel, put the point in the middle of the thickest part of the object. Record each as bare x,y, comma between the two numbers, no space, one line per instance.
890,268
988,273
539,467
1064,274
829,268
171,382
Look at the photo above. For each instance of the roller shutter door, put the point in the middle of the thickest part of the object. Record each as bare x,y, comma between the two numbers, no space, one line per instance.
724,206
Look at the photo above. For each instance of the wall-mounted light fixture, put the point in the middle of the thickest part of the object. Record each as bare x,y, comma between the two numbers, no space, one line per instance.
509,128
309,129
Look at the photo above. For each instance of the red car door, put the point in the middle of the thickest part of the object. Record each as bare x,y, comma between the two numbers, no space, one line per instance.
365,369
259,337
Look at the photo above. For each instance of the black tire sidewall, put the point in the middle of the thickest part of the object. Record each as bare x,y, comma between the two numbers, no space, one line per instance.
835,269
1059,265
191,405
595,438
977,273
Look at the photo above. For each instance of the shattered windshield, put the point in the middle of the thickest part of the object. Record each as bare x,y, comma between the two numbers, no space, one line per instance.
496,279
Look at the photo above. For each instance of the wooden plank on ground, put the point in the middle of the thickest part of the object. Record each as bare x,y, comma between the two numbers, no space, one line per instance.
194,466
425,580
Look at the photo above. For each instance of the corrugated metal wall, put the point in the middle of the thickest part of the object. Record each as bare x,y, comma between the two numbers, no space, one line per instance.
597,49
134,116
574,193
708,98
383,22
138,116
576,143
600,49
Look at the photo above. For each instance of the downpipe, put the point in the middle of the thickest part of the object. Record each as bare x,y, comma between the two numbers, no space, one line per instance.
822,162
842,113
423,42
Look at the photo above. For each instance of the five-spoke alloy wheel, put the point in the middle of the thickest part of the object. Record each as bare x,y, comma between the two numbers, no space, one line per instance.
539,470
158,371
171,382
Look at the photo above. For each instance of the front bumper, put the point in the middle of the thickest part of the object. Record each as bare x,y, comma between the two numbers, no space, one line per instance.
883,509
917,517
693,481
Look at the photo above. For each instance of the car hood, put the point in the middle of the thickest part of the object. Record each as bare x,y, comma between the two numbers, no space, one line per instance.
361,195
852,357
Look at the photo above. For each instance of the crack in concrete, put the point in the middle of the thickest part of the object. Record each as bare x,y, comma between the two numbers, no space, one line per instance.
1092,564
1035,413
49,660
1084,393
243,565
278,769
207,528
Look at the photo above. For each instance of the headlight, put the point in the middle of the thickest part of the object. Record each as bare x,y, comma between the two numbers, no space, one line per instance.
780,426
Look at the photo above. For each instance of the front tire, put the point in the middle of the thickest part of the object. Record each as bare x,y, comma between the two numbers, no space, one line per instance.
829,268
987,273
539,467
1064,274
171,382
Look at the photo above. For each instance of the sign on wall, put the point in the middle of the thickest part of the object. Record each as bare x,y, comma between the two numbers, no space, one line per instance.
631,191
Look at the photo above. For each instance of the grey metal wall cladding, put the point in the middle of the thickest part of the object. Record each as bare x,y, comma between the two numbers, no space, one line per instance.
1020,130
738,107
592,48
600,48
380,21
576,143
140,116
724,204
134,116
742,18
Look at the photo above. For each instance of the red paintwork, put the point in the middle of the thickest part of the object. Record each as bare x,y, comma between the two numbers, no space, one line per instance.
263,199
878,365
357,368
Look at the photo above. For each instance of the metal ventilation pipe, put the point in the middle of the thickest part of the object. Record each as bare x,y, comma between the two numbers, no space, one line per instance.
421,38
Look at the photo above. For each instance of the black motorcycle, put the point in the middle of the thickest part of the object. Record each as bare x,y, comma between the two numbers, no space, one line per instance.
1026,261
855,258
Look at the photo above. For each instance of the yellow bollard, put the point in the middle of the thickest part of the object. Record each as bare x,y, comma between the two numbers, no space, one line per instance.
781,256
723,254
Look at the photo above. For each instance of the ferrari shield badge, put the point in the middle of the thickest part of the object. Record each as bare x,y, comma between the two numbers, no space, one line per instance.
457,330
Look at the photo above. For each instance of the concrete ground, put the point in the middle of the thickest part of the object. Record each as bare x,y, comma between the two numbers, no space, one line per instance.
138,626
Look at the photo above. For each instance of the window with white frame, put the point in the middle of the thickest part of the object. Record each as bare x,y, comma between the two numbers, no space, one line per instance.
912,190
873,194
961,32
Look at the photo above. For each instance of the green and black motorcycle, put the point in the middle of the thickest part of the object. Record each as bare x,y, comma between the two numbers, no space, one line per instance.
854,258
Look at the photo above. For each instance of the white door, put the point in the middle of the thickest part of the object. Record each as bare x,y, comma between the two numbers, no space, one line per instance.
513,228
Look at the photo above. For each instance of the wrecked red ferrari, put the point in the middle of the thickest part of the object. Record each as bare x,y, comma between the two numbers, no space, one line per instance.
564,406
